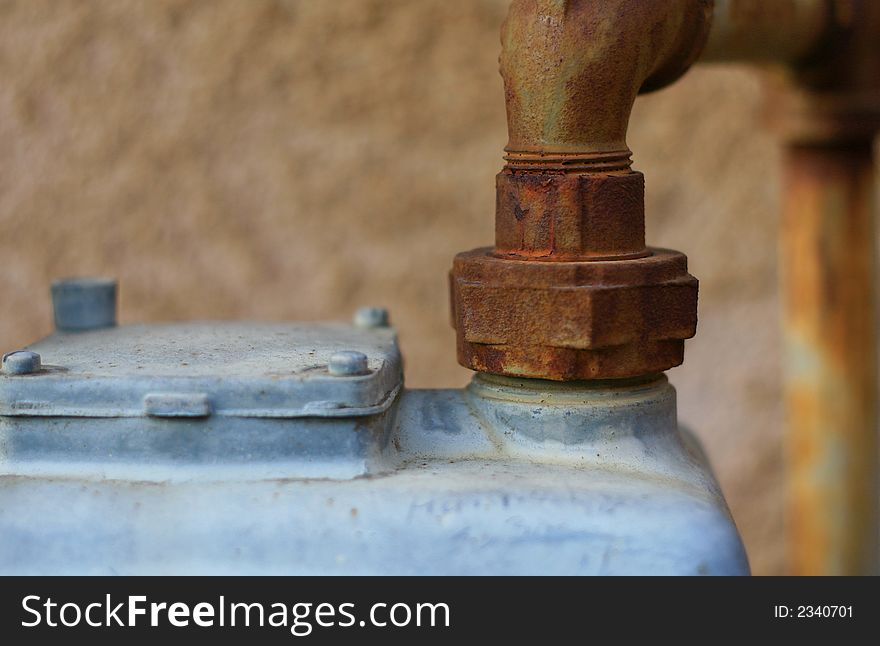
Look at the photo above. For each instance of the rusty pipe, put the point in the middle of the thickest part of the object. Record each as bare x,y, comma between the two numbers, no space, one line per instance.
828,114
829,259
572,70
828,269
769,31
570,290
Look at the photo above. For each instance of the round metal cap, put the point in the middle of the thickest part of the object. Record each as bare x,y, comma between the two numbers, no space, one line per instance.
371,317
21,362
348,363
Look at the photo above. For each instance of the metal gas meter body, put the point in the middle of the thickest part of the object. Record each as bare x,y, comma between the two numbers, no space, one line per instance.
295,449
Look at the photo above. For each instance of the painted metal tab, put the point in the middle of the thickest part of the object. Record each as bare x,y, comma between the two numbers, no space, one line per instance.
177,405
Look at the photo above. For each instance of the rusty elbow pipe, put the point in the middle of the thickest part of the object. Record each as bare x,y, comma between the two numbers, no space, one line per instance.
570,290
573,68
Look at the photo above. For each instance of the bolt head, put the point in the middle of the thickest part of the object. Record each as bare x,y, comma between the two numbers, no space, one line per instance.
348,363
21,362
371,317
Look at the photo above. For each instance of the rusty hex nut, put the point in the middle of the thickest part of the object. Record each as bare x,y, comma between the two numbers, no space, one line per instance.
572,320
564,216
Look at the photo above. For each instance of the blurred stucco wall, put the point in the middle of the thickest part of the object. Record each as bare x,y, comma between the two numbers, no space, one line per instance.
293,159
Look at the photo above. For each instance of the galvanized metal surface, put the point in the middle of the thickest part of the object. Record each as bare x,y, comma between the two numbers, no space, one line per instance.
166,450
568,200
506,477
467,518
271,370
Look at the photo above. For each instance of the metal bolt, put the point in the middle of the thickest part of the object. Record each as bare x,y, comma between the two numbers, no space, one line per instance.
348,363
84,303
21,362
371,317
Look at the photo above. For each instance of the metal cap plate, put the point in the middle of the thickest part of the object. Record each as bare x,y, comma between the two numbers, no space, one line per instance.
262,370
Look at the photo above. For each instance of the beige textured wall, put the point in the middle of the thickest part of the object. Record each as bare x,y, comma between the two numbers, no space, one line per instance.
292,159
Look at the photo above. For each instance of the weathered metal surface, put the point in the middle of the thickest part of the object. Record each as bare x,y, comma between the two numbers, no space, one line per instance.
567,199
166,449
467,518
505,477
768,31
270,370
572,320
203,401
829,275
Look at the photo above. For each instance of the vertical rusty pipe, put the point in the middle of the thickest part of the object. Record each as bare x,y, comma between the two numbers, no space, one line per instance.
829,263
829,116
829,298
